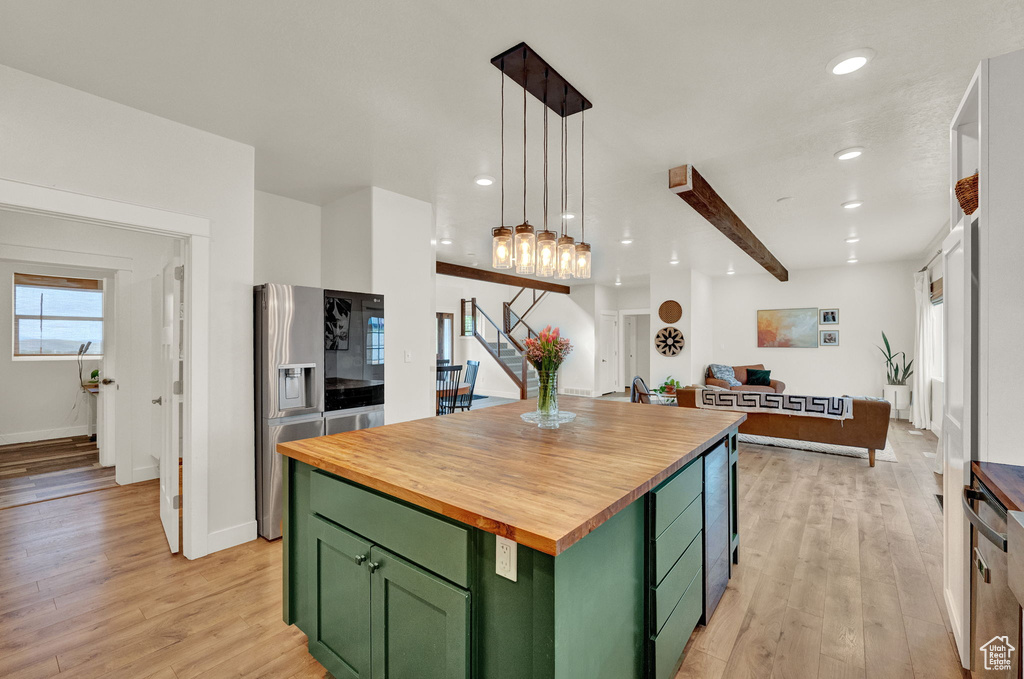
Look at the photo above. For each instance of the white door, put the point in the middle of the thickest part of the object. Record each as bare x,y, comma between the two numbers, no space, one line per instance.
956,435
107,388
609,351
629,348
170,401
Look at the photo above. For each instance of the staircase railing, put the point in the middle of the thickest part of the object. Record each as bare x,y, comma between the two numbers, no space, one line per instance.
472,326
514,324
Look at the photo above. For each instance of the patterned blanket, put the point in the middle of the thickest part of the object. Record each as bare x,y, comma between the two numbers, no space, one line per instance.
829,407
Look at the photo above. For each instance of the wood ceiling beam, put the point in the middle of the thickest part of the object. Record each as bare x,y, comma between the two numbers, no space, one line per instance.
459,271
687,183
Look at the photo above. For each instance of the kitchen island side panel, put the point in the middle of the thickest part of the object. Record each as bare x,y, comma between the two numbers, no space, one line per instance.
599,601
296,479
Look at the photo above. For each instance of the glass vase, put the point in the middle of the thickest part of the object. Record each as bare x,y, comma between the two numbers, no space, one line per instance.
547,399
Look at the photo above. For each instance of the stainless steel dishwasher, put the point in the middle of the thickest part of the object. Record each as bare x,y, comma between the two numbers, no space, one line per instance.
995,613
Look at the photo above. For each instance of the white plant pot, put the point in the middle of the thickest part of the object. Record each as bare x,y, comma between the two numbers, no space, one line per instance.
898,395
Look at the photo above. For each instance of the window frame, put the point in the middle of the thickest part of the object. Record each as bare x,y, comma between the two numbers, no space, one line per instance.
54,283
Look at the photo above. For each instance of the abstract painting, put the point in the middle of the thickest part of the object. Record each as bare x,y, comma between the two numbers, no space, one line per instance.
795,328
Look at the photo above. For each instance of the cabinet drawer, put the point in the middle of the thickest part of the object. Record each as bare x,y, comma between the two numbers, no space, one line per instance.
668,645
676,494
670,591
431,542
671,544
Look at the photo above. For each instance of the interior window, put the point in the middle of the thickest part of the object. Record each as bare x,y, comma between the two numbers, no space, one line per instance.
55,316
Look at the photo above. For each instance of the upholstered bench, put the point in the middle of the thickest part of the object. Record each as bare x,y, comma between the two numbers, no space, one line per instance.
868,428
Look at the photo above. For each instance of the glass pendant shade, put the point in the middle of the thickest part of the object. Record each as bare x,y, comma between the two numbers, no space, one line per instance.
583,260
526,249
501,247
566,258
547,253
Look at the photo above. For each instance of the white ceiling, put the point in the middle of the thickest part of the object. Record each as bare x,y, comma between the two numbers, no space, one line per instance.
338,95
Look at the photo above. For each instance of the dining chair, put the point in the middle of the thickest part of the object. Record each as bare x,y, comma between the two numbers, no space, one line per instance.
444,361
638,391
465,401
448,378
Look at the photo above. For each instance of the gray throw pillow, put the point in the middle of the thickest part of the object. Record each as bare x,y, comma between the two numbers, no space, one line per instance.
724,373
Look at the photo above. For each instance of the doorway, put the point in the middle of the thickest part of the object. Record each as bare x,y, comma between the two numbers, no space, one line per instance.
608,352
446,337
636,348
119,221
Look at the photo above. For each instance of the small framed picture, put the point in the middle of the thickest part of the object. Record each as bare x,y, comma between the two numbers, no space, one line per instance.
828,316
828,338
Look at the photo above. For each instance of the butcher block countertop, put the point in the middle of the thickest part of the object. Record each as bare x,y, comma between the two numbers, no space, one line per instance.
545,489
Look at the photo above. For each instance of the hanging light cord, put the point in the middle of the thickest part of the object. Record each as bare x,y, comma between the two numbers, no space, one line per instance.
502,223
583,175
545,163
524,151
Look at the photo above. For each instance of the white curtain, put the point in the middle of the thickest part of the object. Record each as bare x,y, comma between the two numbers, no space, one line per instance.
920,413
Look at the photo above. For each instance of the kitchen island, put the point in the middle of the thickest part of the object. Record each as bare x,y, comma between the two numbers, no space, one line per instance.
622,527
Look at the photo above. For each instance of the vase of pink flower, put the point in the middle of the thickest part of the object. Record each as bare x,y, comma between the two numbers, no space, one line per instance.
546,352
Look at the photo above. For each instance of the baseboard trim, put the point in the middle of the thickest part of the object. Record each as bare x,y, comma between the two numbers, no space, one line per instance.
231,537
145,473
44,434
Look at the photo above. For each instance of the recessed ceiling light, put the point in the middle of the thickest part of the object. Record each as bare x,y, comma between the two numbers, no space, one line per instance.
851,260
853,239
568,215
673,261
848,62
851,204
730,272
446,241
849,154
484,180
626,241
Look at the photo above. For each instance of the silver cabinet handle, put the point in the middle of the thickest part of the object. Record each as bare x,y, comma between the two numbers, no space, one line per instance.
997,538
158,401
373,566
360,559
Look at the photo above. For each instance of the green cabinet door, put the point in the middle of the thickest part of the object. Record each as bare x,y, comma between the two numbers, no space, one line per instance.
340,596
419,622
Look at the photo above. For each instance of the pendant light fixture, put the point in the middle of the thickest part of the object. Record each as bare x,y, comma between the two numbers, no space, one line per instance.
525,239
566,243
547,240
501,236
545,253
583,247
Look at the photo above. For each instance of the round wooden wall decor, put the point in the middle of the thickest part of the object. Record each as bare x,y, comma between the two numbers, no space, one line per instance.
669,342
670,311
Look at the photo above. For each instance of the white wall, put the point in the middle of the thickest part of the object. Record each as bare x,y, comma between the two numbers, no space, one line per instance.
63,138
871,298
346,244
287,241
403,271
670,282
702,333
40,407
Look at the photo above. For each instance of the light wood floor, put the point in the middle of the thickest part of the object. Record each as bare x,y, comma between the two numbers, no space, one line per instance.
43,470
839,577
840,571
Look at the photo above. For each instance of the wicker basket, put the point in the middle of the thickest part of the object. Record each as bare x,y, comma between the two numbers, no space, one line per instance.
967,193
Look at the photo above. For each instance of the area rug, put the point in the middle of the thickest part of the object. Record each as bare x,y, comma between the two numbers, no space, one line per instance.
885,455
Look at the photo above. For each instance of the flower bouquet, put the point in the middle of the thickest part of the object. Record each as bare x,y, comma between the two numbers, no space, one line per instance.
546,353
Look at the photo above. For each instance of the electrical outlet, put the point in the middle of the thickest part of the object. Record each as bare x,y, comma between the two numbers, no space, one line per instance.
505,558
408,356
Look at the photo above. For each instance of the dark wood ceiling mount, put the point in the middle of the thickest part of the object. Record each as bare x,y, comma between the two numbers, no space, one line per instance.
698,194
459,271
536,76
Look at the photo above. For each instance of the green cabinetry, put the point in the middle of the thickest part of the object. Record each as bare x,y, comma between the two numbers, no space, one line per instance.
376,615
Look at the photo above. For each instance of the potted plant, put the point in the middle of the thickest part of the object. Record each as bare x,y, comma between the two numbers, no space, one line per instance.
897,372
669,386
